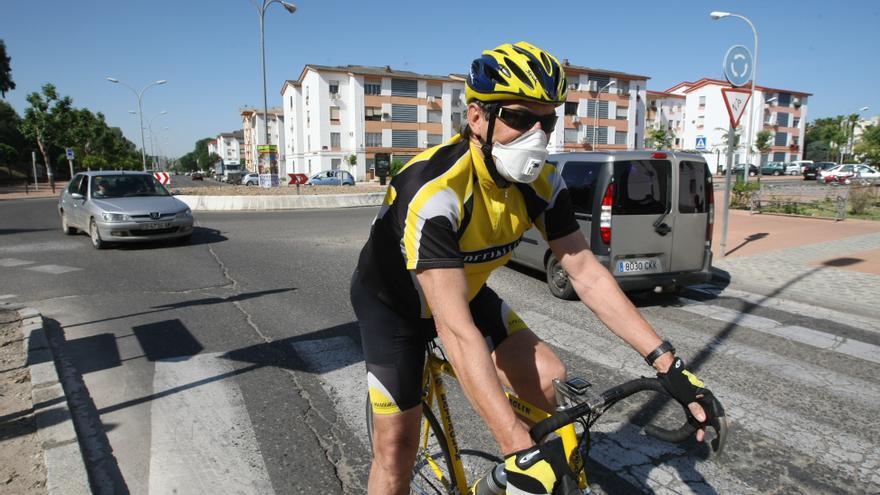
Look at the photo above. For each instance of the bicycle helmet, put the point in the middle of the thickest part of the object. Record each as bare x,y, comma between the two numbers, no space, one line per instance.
519,71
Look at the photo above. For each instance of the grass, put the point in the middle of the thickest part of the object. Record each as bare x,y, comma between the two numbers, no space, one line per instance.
824,208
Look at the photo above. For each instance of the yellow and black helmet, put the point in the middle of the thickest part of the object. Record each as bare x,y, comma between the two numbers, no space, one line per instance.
519,71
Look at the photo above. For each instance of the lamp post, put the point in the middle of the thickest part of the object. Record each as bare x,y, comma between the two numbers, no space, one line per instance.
150,127
720,15
852,132
289,7
596,120
140,95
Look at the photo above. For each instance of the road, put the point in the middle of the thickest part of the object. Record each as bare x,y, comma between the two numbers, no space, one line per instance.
233,365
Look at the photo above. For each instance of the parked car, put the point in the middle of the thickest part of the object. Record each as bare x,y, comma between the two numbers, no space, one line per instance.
197,176
122,206
796,167
331,178
647,217
845,174
738,169
811,171
773,168
250,179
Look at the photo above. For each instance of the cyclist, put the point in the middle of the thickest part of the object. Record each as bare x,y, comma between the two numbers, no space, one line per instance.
450,217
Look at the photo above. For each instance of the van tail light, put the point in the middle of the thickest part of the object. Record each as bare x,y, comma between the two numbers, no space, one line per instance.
710,194
605,215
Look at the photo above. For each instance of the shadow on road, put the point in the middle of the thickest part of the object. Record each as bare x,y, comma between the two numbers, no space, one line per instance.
21,231
200,235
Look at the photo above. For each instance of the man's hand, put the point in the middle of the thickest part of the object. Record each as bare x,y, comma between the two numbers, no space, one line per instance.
685,388
535,470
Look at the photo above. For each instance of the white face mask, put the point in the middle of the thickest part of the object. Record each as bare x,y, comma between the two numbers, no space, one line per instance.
521,159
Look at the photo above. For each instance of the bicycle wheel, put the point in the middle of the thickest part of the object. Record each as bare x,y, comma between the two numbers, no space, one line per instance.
432,473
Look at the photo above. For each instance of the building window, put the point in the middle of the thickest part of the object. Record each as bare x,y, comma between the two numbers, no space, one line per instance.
782,119
335,163
571,108
372,113
591,109
621,113
404,87
779,156
598,82
291,102
335,139
571,136
781,139
404,113
456,97
620,137
783,99
622,87
601,137
700,121
702,102
435,116
456,119
435,90
372,89
796,122
334,114
795,140
308,118
402,138
373,139
434,139
334,88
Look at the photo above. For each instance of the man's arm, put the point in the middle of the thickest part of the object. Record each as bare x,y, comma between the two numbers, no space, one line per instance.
599,291
445,290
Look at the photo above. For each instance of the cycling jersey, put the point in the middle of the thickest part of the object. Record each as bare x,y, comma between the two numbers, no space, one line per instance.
443,210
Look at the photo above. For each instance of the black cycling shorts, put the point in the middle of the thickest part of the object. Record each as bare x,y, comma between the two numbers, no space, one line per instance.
394,347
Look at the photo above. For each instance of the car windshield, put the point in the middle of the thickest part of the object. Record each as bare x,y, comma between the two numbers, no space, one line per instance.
124,186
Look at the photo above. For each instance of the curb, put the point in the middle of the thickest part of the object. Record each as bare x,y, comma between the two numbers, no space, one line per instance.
285,202
65,468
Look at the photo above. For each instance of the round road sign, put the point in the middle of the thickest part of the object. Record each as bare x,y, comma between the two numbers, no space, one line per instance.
738,65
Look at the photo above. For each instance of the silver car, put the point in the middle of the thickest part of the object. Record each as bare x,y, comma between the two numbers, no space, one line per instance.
122,206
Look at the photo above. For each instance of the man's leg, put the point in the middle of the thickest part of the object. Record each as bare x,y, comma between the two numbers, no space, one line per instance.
395,442
528,366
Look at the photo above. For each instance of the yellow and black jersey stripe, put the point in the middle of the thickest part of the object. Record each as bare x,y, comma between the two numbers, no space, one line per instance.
443,210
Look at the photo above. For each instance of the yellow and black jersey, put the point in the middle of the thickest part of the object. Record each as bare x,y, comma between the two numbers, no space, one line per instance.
443,210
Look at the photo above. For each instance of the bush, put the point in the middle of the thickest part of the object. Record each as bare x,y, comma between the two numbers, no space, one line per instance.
861,199
743,193
396,165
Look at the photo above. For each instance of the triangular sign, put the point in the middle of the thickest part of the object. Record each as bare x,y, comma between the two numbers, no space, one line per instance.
735,100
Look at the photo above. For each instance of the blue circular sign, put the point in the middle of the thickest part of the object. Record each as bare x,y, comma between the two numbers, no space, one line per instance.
738,65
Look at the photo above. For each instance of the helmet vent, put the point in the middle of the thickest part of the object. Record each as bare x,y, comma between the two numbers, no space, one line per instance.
519,73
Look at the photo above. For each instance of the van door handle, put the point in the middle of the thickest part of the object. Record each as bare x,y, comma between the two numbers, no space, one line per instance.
663,229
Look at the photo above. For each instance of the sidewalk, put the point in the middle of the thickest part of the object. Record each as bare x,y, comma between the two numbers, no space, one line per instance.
20,192
816,261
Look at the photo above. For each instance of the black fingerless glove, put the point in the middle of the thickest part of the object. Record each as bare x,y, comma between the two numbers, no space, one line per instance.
681,384
536,470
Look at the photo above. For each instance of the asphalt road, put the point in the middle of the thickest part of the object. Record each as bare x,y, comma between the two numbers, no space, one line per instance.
232,365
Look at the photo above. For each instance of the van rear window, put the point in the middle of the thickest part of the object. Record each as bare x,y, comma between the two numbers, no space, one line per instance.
642,187
580,178
693,184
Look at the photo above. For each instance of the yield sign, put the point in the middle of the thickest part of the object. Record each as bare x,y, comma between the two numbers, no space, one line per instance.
735,100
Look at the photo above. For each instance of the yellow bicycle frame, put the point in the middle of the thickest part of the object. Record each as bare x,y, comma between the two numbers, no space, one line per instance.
434,389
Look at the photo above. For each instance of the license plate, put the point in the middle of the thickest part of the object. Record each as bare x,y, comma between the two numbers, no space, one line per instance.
638,265
156,225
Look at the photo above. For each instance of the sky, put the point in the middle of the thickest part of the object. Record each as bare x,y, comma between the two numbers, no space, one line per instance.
209,50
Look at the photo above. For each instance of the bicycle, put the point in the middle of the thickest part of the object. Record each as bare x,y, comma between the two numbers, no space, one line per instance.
443,468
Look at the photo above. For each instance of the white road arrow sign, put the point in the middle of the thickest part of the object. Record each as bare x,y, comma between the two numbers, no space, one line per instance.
735,100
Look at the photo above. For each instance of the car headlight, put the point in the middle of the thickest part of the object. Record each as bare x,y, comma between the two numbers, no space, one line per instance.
187,213
115,217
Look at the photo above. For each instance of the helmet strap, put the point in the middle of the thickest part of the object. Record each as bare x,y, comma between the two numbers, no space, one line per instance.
492,110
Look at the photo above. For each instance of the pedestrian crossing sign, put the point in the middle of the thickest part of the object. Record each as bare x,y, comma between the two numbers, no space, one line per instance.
701,143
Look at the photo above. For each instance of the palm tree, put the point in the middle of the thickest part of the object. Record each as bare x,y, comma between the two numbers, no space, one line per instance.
762,141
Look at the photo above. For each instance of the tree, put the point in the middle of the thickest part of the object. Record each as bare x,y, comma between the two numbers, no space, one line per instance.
868,147
94,162
10,135
660,138
6,83
762,141
8,155
824,138
44,122
724,138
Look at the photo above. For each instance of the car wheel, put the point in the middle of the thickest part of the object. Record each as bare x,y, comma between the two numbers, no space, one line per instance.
97,242
777,173
65,227
558,281
752,174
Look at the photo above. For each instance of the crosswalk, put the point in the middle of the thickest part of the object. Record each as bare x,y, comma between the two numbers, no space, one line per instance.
50,269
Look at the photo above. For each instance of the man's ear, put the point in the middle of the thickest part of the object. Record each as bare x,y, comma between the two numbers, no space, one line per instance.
475,120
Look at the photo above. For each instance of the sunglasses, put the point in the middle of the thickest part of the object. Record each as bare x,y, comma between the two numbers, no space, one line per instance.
522,120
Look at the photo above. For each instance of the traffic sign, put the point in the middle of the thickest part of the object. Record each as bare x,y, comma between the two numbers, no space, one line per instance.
735,100
297,179
738,65
69,153
162,177
701,143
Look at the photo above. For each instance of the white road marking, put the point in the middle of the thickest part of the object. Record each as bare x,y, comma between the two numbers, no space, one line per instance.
814,338
8,296
10,262
53,269
202,437
339,364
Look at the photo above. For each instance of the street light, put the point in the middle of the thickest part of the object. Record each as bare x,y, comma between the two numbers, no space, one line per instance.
290,8
596,120
140,95
720,15
150,127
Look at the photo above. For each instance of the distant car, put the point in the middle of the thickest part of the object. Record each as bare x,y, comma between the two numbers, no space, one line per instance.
738,169
812,171
250,179
845,174
331,178
197,176
773,168
122,206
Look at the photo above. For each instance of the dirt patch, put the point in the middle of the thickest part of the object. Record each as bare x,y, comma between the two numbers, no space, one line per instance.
279,191
21,456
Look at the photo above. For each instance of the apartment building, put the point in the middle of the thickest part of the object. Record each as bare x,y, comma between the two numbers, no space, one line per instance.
254,134
605,110
782,112
341,117
666,111
228,147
